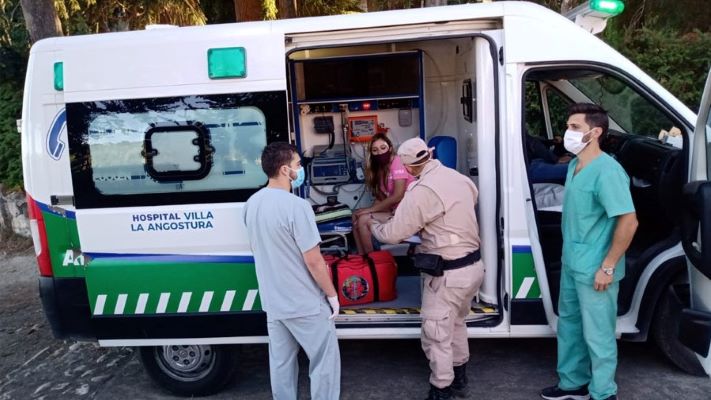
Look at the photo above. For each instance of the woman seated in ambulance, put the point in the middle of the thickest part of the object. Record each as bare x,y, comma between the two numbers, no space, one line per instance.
387,179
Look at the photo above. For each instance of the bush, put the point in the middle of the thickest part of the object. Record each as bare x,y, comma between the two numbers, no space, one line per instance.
680,62
14,46
10,156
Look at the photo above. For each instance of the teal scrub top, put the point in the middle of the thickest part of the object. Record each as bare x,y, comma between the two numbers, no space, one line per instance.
593,199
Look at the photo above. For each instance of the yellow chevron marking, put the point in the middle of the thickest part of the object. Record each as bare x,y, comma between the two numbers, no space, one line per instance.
409,311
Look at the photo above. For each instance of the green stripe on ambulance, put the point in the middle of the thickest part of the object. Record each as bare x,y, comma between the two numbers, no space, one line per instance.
124,286
188,302
524,281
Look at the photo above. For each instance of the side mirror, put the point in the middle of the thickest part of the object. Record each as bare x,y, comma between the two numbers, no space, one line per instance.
696,225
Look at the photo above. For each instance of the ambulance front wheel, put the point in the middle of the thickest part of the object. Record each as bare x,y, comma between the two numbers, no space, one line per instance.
190,370
665,328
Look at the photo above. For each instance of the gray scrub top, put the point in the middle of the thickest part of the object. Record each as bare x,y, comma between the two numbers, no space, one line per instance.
281,227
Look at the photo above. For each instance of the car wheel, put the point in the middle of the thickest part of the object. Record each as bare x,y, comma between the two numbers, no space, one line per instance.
190,370
665,328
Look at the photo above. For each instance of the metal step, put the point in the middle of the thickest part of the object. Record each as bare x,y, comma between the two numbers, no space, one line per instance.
478,312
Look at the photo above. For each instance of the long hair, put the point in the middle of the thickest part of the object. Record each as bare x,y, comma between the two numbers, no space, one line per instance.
376,175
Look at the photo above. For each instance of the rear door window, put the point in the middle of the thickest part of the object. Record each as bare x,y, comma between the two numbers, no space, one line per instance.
196,148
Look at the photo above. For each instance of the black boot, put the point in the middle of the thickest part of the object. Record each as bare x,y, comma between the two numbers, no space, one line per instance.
439,394
459,384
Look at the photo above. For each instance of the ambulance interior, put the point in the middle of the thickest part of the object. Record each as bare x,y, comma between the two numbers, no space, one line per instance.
341,96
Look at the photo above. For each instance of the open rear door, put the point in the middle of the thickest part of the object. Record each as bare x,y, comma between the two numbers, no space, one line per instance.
695,325
164,153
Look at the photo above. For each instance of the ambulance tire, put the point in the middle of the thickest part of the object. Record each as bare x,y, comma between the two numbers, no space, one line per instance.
190,371
666,326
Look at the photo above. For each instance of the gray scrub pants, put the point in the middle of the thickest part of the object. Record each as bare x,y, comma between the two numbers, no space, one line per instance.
316,334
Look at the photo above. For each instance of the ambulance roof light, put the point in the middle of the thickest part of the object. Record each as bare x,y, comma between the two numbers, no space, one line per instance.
593,15
610,7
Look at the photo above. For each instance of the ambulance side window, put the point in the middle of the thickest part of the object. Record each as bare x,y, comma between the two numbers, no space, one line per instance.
535,121
556,105
197,148
558,111
631,112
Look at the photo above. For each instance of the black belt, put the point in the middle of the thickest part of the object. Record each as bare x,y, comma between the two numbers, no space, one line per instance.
469,259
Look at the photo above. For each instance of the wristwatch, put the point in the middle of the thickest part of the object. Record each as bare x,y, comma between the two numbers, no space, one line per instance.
608,270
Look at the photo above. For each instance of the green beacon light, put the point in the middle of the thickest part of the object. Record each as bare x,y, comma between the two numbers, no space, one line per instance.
593,15
610,7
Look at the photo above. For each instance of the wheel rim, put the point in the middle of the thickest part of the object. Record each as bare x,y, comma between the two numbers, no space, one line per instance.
186,363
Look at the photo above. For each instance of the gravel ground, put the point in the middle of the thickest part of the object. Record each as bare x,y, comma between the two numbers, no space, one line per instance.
33,364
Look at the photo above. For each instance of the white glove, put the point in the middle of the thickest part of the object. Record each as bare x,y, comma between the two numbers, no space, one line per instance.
333,302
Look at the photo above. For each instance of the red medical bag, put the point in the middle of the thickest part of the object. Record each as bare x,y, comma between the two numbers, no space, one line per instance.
364,279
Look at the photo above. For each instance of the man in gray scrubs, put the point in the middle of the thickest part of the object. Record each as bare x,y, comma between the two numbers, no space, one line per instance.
294,282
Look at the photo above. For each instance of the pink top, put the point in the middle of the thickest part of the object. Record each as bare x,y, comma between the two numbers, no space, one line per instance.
397,172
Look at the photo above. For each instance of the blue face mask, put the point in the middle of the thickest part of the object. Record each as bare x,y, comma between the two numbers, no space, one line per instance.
300,176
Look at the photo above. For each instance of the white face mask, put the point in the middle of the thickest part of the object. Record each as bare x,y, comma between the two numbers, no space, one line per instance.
573,141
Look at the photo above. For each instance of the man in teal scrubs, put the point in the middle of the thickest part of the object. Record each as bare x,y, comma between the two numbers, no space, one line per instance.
599,222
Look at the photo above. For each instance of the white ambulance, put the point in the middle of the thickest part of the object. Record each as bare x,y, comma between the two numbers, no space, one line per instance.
140,148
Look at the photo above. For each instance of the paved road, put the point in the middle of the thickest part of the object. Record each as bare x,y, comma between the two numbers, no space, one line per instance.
389,370
34,365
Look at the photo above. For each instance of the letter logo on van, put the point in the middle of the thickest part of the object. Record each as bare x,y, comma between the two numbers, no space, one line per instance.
55,146
72,257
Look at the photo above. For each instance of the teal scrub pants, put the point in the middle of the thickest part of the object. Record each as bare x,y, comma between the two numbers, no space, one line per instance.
587,347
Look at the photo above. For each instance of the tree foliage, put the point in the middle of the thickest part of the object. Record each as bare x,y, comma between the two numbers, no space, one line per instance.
10,107
218,11
310,8
96,16
269,8
14,44
12,25
253,10
382,5
679,61
679,15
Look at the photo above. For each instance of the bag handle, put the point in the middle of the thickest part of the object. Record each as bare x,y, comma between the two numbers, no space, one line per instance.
334,275
374,274
334,271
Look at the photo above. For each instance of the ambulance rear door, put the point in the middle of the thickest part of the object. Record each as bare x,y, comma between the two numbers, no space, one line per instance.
166,130
695,324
